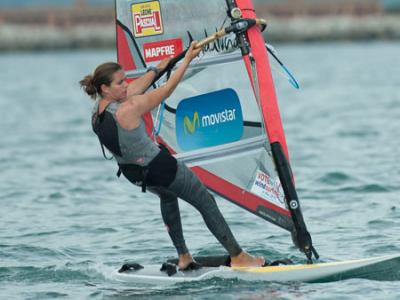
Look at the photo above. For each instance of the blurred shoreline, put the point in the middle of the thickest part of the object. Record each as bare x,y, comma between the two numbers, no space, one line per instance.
14,37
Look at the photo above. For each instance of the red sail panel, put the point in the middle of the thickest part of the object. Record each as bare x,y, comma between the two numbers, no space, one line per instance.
124,54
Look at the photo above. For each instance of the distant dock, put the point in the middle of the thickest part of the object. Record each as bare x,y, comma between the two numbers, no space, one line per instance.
333,28
22,37
296,29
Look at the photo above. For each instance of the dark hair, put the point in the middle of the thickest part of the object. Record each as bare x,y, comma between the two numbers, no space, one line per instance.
102,75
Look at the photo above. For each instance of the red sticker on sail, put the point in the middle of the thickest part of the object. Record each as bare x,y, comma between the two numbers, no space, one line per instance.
156,51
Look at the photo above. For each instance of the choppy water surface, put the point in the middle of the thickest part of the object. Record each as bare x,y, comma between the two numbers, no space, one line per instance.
67,221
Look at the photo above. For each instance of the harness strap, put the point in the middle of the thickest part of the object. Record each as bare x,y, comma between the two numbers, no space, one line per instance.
135,174
104,152
145,172
161,171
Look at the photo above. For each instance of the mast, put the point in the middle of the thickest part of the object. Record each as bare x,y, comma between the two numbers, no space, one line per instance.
257,62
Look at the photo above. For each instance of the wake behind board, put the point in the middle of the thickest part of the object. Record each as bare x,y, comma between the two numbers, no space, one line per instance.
377,268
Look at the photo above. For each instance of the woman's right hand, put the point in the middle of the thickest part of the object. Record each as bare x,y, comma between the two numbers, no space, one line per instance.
163,64
192,52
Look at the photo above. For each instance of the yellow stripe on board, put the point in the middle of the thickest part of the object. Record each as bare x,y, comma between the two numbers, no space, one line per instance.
300,267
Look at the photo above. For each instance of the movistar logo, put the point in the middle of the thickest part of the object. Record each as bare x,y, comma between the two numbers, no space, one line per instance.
208,120
227,115
189,126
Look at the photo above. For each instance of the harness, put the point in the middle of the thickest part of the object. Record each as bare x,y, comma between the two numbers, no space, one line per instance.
161,170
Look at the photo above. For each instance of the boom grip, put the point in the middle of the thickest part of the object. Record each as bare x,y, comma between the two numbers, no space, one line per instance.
171,64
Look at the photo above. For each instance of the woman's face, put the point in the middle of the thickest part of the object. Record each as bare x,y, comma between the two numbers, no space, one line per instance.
117,90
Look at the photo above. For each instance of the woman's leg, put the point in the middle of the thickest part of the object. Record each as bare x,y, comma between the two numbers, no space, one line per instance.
171,217
189,188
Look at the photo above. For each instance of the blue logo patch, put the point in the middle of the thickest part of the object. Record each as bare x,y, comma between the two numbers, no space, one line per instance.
209,120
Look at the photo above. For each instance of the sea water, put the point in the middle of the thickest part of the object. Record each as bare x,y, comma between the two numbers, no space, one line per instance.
67,222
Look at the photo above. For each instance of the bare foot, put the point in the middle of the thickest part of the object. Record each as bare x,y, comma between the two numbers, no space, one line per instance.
184,260
246,260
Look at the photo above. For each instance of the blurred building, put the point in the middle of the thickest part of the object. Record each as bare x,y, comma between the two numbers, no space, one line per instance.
70,24
67,13
312,7
60,13
290,8
51,3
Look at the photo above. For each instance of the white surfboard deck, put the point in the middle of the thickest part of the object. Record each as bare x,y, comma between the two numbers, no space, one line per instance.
377,268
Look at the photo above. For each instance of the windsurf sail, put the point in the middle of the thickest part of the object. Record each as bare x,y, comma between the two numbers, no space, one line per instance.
223,119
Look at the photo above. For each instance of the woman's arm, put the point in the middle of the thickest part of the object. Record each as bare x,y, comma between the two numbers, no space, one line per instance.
153,98
131,110
141,84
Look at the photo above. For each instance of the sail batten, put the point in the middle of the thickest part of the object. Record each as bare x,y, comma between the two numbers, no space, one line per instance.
235,56
222,152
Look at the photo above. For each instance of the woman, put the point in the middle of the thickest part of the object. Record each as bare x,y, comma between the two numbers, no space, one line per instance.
117,120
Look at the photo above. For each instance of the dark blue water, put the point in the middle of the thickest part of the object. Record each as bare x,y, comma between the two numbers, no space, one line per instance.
67,222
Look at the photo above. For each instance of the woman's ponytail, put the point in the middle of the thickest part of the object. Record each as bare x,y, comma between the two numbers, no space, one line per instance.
88,86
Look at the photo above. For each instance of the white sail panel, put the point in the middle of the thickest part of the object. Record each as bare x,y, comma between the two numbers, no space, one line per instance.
232,158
